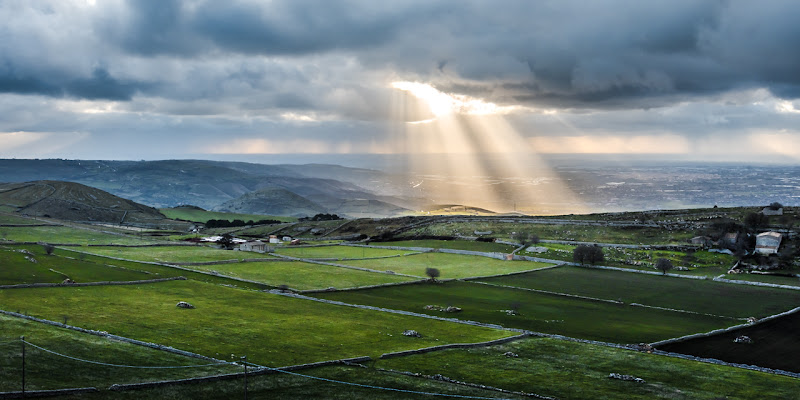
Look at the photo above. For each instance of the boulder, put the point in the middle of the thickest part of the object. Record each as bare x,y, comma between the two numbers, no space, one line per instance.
743,339
629,378
511,354
411,333
183,304
67,281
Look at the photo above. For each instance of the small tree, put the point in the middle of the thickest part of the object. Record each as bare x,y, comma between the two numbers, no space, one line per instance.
226,241
756,220
433,273
663,265
586,254
48,248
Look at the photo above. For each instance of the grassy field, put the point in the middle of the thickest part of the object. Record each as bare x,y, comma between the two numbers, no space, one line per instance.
300,275
582,233
703,296
450,265
174,254
488,247
568,370
284,386
16,220
338,252
774,345
17,269
270,329
47,371
537,312
66,234
195,215
778,280
154,271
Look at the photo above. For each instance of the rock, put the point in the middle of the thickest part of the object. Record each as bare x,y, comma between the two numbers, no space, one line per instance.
511,354
743,339
452,309
752,320
411,333
183,304
67,281
628,378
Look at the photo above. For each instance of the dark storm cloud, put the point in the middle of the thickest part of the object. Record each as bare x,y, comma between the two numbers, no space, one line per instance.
100,85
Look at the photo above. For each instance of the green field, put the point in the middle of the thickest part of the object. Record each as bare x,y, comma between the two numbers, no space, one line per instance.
488,247
174,254
66,234
300,275
451,266
703,296
270,329
775,279
338,252
537,312
16,220
567,370
17,269
47,371
195,215
153,271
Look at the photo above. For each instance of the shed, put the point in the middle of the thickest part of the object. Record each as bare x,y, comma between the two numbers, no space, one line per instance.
255,245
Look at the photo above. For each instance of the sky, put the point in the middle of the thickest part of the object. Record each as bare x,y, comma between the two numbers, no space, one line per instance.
112,79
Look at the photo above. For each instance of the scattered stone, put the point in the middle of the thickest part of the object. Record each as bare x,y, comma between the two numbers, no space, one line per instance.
743,339
511,354
629,378
67,281
452,309
31,259
510,312
183,304
449,309
752,320
644,347
411,333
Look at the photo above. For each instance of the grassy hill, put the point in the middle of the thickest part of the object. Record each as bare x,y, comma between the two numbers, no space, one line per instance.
73,202
272,201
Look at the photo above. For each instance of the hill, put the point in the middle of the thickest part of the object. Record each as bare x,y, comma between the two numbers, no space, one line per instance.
73,202
272,201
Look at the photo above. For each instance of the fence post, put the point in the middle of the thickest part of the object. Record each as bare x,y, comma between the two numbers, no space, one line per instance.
244,357
22,340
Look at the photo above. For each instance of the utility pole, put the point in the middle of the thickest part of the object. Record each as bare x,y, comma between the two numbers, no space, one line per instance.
22,340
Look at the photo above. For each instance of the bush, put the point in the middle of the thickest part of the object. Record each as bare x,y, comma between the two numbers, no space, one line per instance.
48,248
433,273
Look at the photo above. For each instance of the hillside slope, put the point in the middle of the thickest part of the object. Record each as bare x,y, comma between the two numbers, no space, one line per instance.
272,201
73,202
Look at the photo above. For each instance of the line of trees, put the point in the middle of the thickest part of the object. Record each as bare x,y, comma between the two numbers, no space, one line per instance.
321,217
586,254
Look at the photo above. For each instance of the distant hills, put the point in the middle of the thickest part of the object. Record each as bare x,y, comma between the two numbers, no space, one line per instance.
73,202
296,190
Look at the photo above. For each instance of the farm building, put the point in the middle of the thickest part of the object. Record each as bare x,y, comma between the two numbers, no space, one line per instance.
772,211
255,245
274,239
768,242
703,241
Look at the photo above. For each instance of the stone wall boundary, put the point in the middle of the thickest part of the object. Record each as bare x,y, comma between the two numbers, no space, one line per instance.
474,278
762,284
101,283
455,346
257,370
172,266
495,255
148,245
231,261
724,330
312,261
155,346
380,285
47,393
441,378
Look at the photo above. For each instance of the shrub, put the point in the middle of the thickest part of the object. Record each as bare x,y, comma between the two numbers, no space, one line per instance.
663,265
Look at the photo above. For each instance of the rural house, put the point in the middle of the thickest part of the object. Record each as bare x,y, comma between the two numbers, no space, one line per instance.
255,245
768,242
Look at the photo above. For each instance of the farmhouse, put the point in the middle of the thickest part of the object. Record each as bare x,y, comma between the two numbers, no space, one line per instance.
703,241
768,242
255,245
274,239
